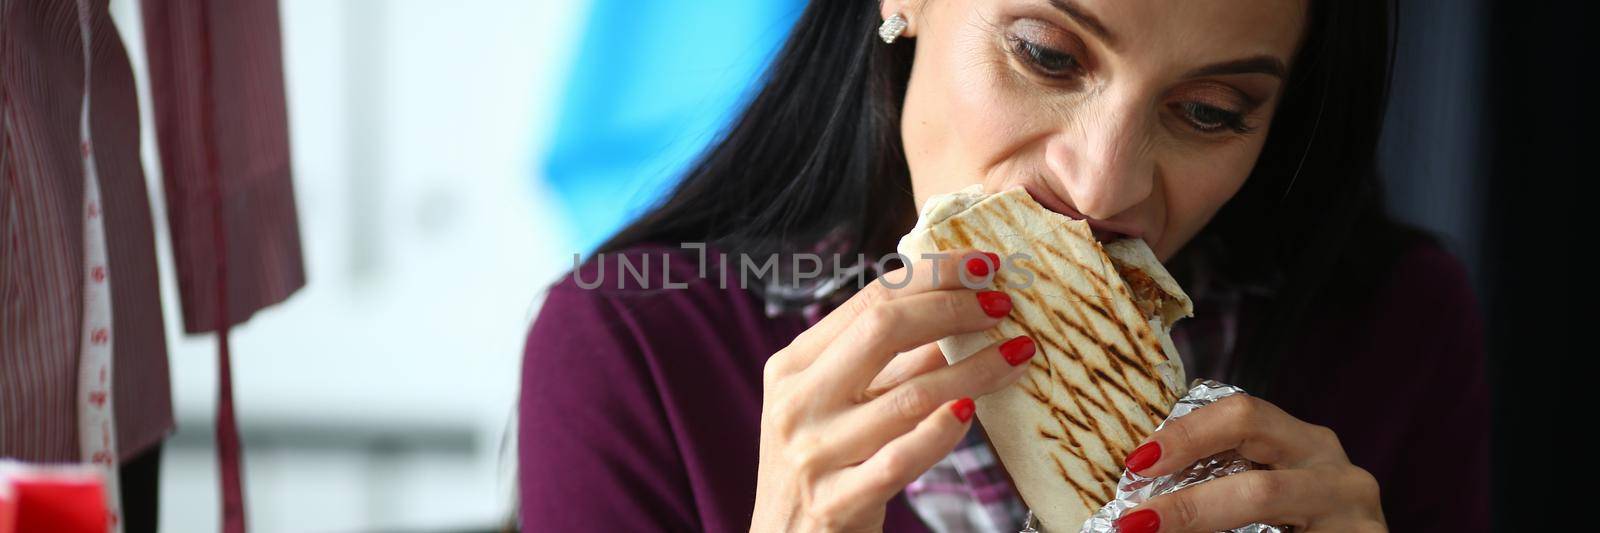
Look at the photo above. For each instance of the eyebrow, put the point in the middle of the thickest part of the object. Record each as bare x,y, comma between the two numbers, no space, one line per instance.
1262,64
1076,12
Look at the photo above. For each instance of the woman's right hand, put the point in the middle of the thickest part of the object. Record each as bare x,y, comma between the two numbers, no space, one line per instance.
862,403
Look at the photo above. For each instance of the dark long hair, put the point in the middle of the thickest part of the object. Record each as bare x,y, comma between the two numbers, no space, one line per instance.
817,153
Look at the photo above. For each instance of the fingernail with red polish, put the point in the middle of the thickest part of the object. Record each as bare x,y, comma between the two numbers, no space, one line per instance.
994,259
1144,456
977,267
1017,351
963,409
994,303
1145,521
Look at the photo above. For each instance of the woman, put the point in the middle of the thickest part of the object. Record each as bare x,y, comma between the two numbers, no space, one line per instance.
1236,137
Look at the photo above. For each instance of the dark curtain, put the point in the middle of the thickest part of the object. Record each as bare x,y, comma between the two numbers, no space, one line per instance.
1481,147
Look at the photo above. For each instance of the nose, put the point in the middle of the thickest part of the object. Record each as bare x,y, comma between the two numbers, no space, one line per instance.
1102,157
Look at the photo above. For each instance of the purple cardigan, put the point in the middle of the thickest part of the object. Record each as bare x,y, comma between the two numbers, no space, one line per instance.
640,409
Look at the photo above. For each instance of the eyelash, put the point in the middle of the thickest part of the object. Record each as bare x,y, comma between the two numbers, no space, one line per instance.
1038,59
1227,119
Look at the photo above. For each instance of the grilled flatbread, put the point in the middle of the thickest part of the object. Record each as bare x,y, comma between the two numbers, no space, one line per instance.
1106,372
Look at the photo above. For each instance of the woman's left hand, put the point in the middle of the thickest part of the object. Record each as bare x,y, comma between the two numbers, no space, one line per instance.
1312,486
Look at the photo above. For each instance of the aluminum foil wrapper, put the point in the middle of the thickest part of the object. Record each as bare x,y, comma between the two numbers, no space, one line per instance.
1133,489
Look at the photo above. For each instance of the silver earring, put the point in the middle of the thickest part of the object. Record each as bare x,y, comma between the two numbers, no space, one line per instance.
892,28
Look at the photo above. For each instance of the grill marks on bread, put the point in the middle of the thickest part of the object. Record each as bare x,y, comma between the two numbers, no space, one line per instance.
1066,326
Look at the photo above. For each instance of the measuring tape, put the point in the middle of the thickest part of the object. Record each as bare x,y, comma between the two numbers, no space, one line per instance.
97,423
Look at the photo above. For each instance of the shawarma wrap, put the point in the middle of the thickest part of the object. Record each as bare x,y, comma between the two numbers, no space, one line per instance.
1106,372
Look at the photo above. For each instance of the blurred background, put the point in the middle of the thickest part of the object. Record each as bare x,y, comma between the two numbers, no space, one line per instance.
451,157
378,397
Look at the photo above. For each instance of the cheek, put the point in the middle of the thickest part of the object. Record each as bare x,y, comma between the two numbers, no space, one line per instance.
991,118
1196,187
960,118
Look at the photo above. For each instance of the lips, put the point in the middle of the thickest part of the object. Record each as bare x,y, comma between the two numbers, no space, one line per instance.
1104,230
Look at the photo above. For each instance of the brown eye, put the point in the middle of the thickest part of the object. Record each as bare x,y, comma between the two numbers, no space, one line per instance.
1044,60
1046,50
1209,119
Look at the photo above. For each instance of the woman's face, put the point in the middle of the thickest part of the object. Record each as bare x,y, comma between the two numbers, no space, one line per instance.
1142,116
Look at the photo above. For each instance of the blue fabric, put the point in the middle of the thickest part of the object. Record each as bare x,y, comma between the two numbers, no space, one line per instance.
653,83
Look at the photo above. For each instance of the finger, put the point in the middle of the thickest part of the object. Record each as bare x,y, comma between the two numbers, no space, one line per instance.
1283,497
906,365
863,350
951,270
900,409
1260,431
900,461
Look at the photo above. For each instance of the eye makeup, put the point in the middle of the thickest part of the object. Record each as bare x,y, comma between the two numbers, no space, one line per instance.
1051,53
1213,108
1046,50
